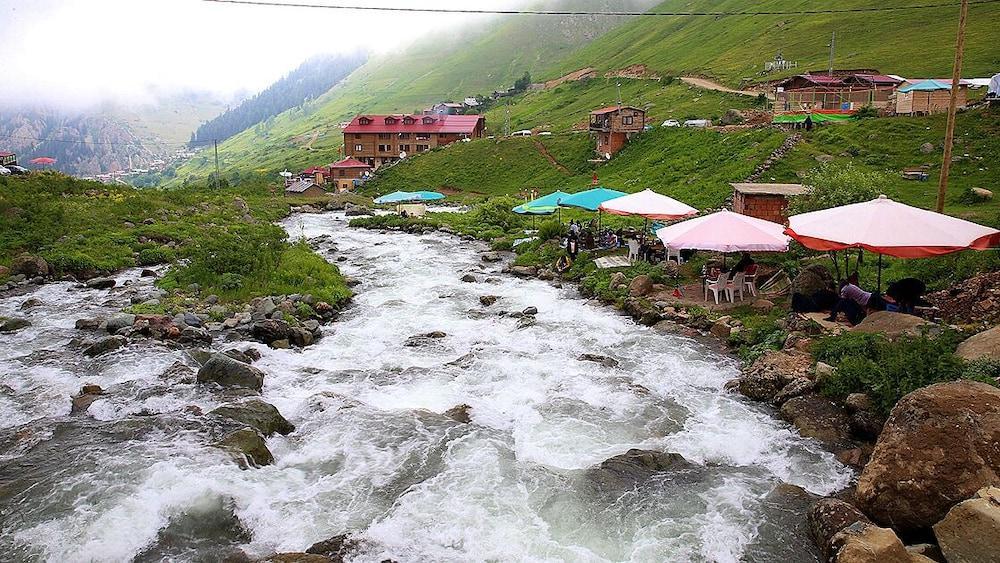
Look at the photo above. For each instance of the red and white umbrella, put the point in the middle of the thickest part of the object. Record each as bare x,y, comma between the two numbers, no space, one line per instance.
725,231
43,160
650,205
888,227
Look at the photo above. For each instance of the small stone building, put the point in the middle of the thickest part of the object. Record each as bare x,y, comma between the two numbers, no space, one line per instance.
765,201
614,126
304,187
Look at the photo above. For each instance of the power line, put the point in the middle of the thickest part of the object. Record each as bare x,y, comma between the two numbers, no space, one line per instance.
472,11
104,143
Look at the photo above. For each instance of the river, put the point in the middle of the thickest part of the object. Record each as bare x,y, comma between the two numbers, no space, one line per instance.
136,479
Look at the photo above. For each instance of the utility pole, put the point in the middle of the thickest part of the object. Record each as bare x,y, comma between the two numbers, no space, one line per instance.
833,45
949,133
506,122
217,178
619,86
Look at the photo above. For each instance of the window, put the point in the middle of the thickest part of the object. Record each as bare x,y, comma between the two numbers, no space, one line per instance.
404,135
627,120
357,135
429,120
359,148
364,121
423,136
423,148
385,135
343,172
404,148
384,148
408,120
390,120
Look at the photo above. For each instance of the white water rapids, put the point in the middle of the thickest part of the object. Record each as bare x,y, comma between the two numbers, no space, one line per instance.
370,455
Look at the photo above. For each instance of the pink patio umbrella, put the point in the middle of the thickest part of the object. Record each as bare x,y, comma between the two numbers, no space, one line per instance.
884,226
43,160
650,205
725,231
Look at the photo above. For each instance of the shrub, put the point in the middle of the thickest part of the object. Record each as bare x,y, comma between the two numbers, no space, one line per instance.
550,230
970,197
833,185
867,112
71,261
153,256
230,281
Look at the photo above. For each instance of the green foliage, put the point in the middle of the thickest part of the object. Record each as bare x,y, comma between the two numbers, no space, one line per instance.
760,333
866,112
833,185
551,230
984,369
968,196
153,256
889,369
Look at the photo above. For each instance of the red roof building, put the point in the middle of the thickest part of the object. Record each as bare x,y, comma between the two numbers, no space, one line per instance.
348,173
613,126
7,157
382,139
839,91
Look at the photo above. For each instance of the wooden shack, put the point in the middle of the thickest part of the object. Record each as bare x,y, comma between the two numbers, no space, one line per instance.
305,187
842,90
614,126
765,201
926,97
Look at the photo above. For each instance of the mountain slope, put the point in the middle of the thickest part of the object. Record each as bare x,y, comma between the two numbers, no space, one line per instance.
910,42
466,63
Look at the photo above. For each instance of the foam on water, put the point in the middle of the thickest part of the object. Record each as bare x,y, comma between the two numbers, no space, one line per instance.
372,455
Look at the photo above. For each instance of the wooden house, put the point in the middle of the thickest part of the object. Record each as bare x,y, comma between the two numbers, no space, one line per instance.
765,201
348,173
7,157
613,126
842,90
926,97
304,187
383,139
317,174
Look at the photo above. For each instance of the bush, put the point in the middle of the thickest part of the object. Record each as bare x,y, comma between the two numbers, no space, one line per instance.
970,197
867,112
887,370
154,256
71,262
833,185
550,230
230,281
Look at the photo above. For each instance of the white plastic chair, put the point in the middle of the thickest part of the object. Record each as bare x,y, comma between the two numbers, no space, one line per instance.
675,254
718,285
736,285
633,250
750,280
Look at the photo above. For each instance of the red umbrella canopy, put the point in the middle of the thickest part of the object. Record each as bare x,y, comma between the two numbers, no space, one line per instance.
43,160
887,227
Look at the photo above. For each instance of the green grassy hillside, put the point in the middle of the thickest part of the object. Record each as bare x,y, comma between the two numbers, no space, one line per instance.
731,48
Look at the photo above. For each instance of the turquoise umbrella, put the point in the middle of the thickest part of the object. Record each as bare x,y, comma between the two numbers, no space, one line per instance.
403,197
545,205
591,200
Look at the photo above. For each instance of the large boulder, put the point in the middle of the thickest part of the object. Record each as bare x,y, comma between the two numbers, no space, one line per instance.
970,532
827,517
820,418
270,330
626,470
811,279
104,345
783,534
983,345
119,321
13,324
29,266
524,271
938,447
771,372
249,448
640,285
892,325
228,372
335,548
866,543
257,414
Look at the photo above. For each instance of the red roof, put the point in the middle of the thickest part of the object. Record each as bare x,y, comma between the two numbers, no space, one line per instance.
610,109
415,124
349,162
6,153
878,78
315,169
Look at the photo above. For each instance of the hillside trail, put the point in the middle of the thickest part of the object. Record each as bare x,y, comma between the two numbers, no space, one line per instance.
712,85
552,160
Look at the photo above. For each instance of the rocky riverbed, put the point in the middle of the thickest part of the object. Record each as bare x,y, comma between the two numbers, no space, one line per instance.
453,413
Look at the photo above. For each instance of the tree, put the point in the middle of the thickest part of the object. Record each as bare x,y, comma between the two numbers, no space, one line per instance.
833,185
522,83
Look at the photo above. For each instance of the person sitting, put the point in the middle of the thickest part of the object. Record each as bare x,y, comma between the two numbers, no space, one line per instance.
855,302
906,294
745,262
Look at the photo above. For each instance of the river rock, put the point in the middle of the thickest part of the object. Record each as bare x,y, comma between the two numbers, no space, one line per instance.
771,372
119,321
783,534
827,517
335,548
352,210
459,413
487,300
640,285
983,345
29,304
104,345
424,339
798,387
469,278
526,321
13,324
892,325
194,335
88,394
618,279
530,311
300,336
818,417
938,447
147,273
970,532
249,447
866,543
269,330
228,372
626,470
257,414
492,257
811,279
524,271
29,266
101,283
605,361
720,328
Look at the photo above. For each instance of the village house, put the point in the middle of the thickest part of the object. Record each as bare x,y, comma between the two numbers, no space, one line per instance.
765,201
384,139
304,187
444,108
317,174
7,158
614,126
926,97
348,173
842,90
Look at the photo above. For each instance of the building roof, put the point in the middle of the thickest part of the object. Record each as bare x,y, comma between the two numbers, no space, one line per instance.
349,162
300,186
6,153
420,124
612,109
315,169
769,189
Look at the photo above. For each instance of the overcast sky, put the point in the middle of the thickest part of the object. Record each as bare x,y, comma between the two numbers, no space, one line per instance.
78,52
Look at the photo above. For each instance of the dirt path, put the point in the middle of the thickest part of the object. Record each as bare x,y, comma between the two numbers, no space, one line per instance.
711,85
552,160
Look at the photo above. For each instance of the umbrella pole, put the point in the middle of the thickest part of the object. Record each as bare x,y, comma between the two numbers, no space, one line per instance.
880,272
836,264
